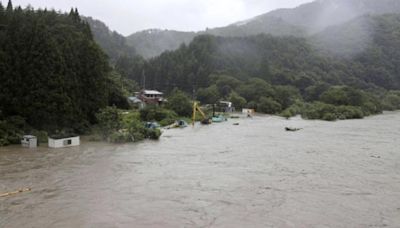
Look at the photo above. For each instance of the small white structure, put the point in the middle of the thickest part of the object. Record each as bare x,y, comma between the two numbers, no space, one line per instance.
227,106
248,112
65,142
29,141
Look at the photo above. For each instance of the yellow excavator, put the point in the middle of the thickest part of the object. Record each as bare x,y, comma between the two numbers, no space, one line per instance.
196,108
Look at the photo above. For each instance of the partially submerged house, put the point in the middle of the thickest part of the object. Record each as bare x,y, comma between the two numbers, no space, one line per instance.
29,141
65,141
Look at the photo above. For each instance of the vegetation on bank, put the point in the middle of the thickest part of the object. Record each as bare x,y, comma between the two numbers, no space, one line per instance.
119,126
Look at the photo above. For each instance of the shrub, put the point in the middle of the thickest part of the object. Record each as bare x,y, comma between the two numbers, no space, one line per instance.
168,121
329,116
120,137
42,136
287,113
129,117
349,112
109,120
293,110
137,131
11,130
153,134
329,112
318,110
155,113
391,101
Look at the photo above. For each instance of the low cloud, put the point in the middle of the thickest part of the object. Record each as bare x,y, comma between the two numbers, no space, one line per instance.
127,17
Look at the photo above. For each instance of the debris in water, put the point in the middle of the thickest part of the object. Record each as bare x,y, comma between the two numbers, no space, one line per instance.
292,129
15,192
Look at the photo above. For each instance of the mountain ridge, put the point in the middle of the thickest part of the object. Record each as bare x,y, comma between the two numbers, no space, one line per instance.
305,20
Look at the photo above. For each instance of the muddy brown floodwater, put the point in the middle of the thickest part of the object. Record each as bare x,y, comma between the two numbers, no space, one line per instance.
330,174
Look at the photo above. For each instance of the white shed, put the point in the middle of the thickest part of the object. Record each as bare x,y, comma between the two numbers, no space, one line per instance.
29,141
64,142
249,112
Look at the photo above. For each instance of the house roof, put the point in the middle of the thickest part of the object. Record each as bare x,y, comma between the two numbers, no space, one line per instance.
135,99
29,137
153,92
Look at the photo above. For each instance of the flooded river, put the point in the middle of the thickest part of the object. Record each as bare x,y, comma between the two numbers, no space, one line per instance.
330,174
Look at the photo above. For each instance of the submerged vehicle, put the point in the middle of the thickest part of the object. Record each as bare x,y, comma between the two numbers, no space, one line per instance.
181,124
219,119
152,125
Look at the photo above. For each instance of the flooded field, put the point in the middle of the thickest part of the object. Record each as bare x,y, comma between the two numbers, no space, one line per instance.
330,174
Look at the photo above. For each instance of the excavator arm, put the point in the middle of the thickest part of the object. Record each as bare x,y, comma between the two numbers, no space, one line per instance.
196,109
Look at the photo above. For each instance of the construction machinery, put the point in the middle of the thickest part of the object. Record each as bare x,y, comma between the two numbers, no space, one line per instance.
196,108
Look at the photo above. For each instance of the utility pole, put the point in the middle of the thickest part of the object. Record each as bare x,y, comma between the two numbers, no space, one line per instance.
144,79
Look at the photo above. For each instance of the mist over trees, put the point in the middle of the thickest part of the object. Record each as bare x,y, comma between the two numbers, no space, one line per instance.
318,18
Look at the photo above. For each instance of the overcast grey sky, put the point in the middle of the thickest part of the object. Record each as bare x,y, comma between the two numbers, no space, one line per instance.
128,16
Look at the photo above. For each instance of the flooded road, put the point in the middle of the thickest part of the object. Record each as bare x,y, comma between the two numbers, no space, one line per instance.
330,174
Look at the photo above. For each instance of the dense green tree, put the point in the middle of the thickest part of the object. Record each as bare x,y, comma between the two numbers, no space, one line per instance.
155,113
208,95
179,102
10,6
238,101
286,95
53,74
109,120
343,96
225,84
313,93
269,106
391,101
254,89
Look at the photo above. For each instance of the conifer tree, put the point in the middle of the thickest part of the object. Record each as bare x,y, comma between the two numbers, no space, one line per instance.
52,72
9,6
2,16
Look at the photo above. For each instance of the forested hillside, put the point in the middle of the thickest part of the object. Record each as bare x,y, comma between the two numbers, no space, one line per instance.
114,44
276,72
279,60
53,75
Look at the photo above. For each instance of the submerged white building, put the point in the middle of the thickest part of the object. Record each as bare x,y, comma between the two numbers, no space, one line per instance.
64,142
29,141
